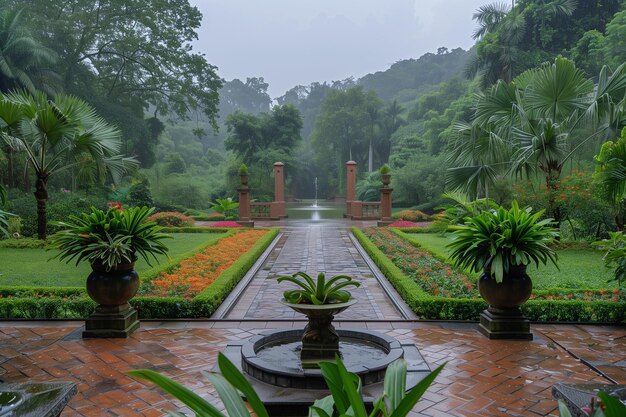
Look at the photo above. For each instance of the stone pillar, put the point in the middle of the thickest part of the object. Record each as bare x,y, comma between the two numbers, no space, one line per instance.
385,203
244,205
278,206
350,187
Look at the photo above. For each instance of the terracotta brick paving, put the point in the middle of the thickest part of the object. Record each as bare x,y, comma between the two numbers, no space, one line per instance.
481,378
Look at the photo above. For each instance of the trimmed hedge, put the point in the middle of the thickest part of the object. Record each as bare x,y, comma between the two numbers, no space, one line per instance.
439,308
73,303
194,229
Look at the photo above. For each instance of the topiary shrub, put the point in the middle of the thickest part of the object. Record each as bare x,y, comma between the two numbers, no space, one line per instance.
171,219
412,216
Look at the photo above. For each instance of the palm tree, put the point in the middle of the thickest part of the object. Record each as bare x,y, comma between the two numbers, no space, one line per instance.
540,120
24,62
22,65
500,31
611,176
57,136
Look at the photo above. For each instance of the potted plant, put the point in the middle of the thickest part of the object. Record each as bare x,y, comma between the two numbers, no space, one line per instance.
111,242
320,300
501,243
385,173
243,174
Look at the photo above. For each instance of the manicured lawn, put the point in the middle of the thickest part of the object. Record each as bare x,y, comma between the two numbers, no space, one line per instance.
30,267
578,268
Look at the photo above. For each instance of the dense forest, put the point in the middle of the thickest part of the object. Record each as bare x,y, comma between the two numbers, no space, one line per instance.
472,121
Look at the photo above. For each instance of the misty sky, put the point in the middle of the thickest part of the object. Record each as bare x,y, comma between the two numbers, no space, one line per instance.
290,42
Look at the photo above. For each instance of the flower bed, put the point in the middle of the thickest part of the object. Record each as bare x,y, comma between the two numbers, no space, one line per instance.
45,303
194,274
431,274
434,290
225,224
402,223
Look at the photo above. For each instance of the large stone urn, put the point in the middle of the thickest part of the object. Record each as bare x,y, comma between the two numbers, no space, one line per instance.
112,290
504,319
320,341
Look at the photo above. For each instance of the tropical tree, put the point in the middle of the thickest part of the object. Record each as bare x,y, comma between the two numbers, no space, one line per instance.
610,175
57,136
24,62
538,122
504,33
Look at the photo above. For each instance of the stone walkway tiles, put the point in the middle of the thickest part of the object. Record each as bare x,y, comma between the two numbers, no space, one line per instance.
313,249
482,377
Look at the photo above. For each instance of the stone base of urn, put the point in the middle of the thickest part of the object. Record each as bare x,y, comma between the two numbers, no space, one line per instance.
112,322
496,323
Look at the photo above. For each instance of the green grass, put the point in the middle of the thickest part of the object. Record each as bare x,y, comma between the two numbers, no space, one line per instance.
579,268
30,267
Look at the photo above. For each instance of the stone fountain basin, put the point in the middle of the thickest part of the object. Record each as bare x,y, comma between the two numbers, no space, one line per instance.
287,373
286,401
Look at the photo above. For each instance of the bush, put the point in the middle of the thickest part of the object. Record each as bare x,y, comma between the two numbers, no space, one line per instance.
402,223
171,219
24,243
411,215
60,206
211,217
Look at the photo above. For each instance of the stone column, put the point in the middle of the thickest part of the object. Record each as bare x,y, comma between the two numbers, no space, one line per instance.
278,206
385,203
245,213
350,187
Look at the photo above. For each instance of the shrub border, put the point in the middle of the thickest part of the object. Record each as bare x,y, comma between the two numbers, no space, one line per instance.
439,308
203,305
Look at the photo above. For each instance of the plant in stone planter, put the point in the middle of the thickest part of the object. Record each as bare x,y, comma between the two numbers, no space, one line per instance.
243,174
346,397
502,243
319,300
111,242
385,173
320,291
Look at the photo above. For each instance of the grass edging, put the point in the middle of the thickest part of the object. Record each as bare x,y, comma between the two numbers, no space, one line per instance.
55,305
439,308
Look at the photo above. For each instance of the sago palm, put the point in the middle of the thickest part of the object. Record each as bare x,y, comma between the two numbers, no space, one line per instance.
57,136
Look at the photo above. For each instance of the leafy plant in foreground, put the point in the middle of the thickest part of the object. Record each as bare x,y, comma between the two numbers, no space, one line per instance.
320,291
345,388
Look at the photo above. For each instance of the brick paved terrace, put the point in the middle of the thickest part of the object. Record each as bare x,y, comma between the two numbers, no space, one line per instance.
482,377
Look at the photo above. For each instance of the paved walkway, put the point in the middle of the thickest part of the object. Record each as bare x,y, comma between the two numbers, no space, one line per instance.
313,249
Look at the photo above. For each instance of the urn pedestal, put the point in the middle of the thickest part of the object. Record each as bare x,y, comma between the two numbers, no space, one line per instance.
504,319
114,316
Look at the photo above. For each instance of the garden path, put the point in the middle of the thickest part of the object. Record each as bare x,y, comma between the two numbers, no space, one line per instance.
314,247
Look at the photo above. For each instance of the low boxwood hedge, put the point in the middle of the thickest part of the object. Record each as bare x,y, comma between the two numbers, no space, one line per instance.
440,308
73,303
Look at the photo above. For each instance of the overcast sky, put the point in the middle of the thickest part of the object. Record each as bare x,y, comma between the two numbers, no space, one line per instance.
290,42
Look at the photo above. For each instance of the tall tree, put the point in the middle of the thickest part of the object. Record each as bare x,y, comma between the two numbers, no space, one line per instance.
24,61
342,131
132,52
58,136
